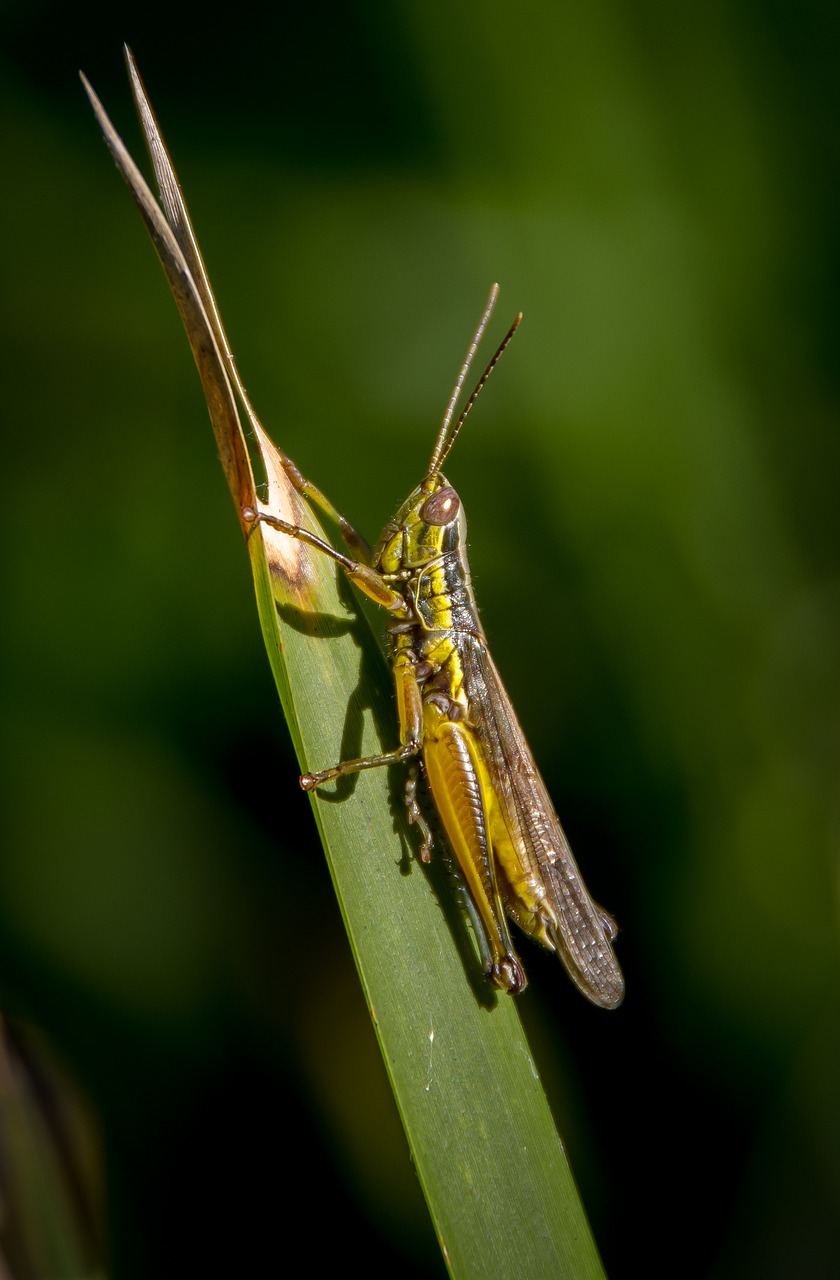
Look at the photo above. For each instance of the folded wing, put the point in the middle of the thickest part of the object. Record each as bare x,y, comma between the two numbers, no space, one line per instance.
541,884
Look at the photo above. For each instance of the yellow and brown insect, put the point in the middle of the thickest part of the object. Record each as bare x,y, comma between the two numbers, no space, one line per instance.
455,715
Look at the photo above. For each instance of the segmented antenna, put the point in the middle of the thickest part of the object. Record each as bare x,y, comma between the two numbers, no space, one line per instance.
446,438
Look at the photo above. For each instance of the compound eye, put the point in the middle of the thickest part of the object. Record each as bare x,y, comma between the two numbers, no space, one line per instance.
442,508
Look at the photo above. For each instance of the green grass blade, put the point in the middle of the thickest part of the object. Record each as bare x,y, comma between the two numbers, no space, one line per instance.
482,1138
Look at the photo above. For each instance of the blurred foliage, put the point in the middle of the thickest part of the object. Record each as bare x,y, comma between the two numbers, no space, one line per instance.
654,467
51,1215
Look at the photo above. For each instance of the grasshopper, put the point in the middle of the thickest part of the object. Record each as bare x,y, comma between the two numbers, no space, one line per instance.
456,719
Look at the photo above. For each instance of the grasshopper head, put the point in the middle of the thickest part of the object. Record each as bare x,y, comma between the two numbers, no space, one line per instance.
429,524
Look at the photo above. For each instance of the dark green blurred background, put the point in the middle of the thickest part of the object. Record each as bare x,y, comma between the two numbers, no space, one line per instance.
654,469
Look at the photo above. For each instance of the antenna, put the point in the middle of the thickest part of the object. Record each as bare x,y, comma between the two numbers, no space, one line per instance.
446,438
